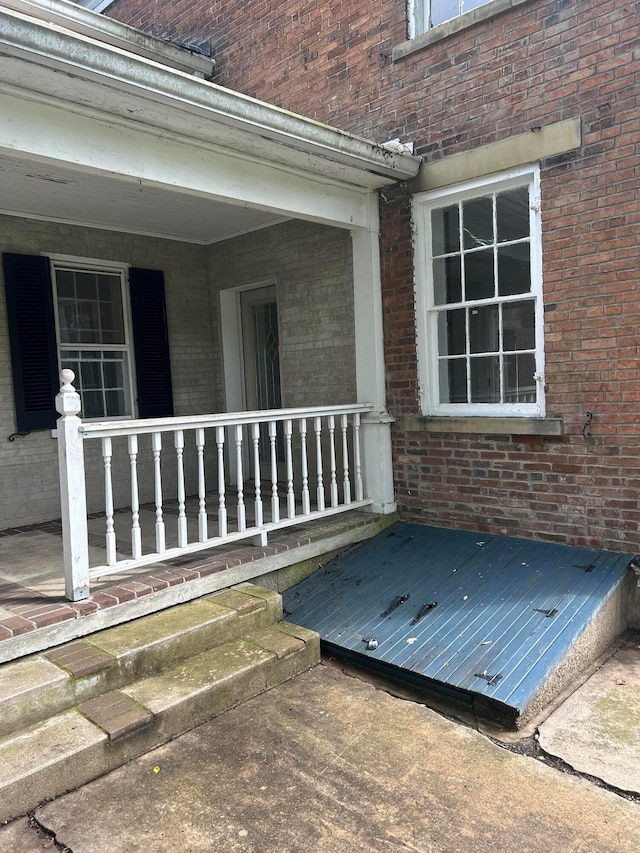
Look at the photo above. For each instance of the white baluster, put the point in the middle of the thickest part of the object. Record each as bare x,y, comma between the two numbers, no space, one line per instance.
320,488
242,518
275,500
356,456
291,498
182,516
306,503
255,435
73,499
222,507
346,483
203,532
107,453
136,533
332,456
156,446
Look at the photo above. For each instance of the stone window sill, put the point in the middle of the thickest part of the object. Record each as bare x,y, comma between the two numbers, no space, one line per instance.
552,427
455,25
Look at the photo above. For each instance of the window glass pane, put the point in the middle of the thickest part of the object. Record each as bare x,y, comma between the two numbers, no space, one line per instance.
64,280
444,10
445,230
86,286
479,279
518,326
485,380
484,332
512,214
447,280
115,403
519,384
453,380
468,5
514,269
92,404
90,375
477,222
451,332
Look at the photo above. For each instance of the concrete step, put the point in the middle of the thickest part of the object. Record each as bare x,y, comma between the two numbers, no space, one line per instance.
37,687
70,748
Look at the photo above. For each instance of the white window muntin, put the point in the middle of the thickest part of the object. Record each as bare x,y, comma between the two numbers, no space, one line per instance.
112,397
428,311
426,14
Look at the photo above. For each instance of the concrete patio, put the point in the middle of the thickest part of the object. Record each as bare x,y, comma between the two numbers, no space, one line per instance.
331,764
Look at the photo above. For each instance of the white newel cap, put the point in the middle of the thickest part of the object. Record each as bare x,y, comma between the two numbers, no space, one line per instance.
68,400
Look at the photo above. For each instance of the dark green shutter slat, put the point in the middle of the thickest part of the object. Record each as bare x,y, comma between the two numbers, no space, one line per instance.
34,358
151,343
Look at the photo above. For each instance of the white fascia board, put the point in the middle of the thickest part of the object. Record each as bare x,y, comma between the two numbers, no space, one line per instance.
50,45
89,23
129,152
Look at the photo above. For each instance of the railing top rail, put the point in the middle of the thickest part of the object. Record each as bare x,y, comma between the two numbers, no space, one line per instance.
103,429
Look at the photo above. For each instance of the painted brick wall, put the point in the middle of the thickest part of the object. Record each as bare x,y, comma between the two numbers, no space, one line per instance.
28,465
541,62
311,265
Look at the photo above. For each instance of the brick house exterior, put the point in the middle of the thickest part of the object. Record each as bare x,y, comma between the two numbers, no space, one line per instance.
552,84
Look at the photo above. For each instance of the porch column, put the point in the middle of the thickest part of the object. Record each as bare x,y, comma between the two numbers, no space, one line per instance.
370,367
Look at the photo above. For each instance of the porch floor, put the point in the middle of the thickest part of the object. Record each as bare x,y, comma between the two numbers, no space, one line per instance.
32,583
499,613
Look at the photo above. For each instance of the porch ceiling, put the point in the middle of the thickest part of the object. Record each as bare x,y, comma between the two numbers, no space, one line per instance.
130,143
51,191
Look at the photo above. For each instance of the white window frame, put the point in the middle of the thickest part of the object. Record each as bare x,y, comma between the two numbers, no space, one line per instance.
96,265
427,311
419,14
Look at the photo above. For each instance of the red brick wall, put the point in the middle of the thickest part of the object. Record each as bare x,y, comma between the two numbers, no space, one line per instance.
544,61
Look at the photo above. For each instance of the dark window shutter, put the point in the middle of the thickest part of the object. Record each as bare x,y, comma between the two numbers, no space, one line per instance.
32,337
151,343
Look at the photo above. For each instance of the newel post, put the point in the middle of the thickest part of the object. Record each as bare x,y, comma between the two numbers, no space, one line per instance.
73,497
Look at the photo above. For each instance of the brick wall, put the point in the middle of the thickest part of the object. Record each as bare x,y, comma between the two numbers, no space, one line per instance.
541,62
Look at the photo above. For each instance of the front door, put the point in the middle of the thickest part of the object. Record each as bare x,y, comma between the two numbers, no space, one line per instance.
261,357
261,348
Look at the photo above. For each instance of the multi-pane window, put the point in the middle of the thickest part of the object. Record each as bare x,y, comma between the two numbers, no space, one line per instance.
430,13
93,336
479,298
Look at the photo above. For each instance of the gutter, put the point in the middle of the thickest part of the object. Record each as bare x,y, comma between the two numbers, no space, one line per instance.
92,59
88,23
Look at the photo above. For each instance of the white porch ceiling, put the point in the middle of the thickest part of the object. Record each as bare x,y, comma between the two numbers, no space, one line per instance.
45,191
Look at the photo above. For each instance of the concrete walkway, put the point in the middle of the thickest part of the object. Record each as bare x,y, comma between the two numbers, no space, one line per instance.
325,764
597,729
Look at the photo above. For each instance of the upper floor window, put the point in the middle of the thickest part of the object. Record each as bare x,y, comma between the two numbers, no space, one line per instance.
479,297
430,13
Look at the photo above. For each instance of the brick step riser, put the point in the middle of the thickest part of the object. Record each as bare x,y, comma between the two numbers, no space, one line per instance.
57,690
65,768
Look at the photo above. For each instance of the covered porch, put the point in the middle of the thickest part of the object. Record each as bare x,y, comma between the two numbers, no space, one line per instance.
220,205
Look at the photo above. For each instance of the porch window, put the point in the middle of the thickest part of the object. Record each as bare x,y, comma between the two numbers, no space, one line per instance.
69,312
425,14
93,336
479,298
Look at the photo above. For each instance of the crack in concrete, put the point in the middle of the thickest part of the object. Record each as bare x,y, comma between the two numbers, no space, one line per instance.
43,833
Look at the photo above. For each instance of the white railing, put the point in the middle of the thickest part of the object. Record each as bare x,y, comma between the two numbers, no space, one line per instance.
252,473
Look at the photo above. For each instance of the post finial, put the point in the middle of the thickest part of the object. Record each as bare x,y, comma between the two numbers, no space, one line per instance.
68,400
67,376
